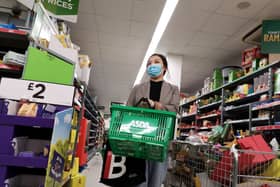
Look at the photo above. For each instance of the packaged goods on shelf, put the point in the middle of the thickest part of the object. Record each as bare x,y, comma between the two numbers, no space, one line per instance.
210,100
14,58
263,114
273,57
216,83
264,82
83,68
217,74
252,60
230,73
28,109
277,81
211,113
240,92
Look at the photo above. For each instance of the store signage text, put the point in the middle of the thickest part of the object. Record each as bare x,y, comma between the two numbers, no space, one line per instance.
272,37
38,92
62,9
61,3
270,42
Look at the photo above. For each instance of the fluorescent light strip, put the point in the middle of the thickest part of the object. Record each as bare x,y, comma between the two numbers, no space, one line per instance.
166,14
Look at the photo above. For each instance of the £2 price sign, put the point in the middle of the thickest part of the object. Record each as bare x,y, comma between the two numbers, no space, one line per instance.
34,91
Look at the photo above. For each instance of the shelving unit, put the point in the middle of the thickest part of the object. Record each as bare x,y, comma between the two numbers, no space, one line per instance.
9,127
13,40
242,112
91,128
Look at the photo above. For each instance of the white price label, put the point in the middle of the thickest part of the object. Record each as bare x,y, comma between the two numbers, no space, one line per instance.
34,91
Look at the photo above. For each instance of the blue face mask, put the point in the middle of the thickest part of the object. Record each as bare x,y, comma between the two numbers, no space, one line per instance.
154,70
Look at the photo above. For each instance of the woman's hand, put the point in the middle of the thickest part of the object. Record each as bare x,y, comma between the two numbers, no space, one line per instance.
158,105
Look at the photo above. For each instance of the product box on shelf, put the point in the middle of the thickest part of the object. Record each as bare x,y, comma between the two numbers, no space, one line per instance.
217,83
273,57
45,67
217,74
249,55
253,59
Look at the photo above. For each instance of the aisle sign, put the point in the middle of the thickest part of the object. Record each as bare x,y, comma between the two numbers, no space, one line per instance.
62,9
40,92
270,36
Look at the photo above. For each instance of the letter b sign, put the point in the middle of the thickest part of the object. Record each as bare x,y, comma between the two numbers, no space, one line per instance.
111,163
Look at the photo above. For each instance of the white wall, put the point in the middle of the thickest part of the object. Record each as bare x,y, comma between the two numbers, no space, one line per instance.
174,74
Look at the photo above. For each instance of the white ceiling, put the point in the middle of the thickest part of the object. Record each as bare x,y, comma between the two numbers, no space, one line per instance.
116,33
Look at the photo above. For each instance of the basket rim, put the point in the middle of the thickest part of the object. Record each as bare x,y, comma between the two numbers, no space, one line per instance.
139,109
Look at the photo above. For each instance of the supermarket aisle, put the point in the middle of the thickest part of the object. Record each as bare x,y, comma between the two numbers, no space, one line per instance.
93,172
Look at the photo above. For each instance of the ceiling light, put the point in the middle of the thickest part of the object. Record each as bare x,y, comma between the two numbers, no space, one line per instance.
243,5
166,14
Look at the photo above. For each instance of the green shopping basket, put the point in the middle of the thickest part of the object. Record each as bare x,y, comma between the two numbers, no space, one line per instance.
141,132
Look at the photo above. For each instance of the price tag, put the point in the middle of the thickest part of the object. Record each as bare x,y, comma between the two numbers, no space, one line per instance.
34,91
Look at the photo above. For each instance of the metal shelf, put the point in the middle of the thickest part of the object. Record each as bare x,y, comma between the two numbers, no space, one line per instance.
89,115
91,144
265,128
87,96
247,120
206,128
210,93
184,135
208,116
244,107
26,121
210,105
248,98
188,117
94,124
187,103
33,162
275,105
186,128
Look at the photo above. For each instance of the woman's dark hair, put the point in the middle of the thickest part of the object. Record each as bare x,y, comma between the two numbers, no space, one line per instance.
164,60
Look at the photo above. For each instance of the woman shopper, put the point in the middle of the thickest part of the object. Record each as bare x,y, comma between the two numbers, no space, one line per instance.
161,96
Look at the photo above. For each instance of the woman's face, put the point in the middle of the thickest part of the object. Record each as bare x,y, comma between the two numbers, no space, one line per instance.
156,60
